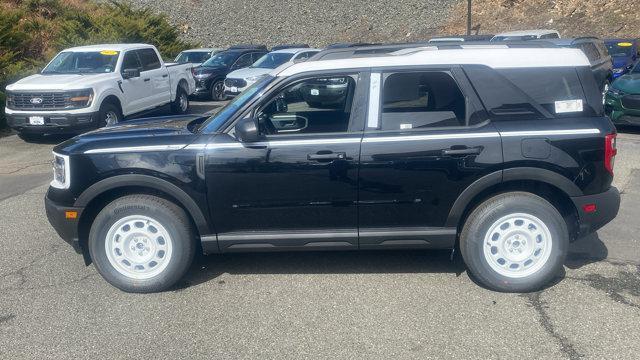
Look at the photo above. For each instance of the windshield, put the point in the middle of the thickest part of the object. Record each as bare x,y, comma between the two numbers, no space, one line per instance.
272,60
192,57
620,49
88,62
214,123
222,59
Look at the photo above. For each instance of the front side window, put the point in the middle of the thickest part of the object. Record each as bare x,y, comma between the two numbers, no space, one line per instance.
149,59
311,106
86,62
427,99
131,61
243,61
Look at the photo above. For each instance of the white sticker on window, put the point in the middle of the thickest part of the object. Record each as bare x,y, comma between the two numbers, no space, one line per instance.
315,92
406,126
567,106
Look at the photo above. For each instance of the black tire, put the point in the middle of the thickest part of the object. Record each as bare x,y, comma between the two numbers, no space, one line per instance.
31,138
485,215
177,106
106,110
217,90
170,216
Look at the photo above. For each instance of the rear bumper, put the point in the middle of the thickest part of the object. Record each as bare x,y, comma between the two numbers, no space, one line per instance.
607,205
66,228
54,123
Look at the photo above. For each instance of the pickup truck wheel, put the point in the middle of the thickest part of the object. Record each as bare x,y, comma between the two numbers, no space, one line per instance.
217,91
181,104
514,242
108,115
141,243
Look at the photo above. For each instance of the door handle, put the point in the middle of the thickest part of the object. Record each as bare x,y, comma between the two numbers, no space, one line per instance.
165,75
147,79
460,151
327,156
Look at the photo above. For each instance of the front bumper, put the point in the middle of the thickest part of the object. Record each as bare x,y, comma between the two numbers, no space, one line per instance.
607,205
66,228
54,123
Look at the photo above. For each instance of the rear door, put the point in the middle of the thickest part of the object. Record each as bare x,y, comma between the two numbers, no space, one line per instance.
426,140
155,74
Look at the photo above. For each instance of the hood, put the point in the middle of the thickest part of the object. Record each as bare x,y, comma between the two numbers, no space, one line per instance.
58,81
621,61
167,130
204,71
629,83
248,72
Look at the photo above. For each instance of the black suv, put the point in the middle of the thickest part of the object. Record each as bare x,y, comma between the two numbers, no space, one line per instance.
211,74
503,152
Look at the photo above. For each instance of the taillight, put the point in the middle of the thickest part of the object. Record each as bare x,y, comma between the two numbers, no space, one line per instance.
610,151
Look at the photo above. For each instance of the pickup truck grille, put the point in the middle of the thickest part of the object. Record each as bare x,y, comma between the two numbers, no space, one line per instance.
631,102
39,101
235,82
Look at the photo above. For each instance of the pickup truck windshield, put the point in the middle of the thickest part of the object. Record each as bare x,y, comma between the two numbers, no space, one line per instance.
214,123
87,62
224,59
272,60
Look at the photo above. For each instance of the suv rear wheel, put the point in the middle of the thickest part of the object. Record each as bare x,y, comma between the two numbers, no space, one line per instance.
142,243
514,242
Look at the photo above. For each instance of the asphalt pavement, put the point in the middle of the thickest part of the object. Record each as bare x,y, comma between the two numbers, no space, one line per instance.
334,305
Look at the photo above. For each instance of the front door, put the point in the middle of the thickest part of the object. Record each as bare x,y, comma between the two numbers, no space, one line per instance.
135,90
426,141
297,188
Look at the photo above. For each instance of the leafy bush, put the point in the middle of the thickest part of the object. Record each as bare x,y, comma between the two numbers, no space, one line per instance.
33,31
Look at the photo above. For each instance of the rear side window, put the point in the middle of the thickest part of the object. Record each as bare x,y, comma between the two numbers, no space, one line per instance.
547,86
149,59
426,99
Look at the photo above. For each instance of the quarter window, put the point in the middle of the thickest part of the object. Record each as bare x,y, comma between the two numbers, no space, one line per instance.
311,106
413,100
149,59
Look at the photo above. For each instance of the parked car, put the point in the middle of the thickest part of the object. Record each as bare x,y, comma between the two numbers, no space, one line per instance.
526,35
93,86
238,80
624,53
211,74
196,56
622,101
461,38
596,52
506,152
289,46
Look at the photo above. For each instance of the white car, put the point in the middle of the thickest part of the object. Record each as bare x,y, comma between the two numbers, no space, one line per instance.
196,56
527,35
92,86
239,80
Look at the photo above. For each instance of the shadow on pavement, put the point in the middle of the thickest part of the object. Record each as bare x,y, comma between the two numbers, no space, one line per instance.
586,251
209,267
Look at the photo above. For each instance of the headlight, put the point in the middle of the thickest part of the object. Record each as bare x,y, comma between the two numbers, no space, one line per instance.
80,98
61,171
616,92
255,78
9,100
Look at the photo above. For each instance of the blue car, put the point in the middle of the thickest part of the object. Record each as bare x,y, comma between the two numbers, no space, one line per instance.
624,53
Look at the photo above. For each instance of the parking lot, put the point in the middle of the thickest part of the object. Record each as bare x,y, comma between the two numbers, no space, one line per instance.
399,304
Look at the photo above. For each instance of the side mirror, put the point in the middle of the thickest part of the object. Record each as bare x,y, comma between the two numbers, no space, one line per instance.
247,130
130,73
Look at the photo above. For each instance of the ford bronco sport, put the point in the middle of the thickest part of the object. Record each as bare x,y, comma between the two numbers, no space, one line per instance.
502,152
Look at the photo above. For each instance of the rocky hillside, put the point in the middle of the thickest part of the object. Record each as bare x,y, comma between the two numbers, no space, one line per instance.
317,22
320,22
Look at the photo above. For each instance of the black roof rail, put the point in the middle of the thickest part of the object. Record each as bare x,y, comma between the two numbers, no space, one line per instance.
289,46
247,47
380,50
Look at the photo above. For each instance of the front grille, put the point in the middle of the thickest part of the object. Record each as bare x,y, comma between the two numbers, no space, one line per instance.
48,101
631,102
235,82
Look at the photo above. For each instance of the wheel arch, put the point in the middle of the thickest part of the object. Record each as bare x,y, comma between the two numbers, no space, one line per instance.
94,198
112,99
547,184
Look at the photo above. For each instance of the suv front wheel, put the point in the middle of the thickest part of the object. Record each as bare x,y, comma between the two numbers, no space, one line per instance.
142,243
514,242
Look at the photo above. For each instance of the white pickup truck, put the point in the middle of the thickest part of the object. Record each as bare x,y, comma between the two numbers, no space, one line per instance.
93,86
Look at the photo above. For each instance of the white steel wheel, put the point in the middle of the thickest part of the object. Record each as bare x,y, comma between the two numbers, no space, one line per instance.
138,247
517,245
